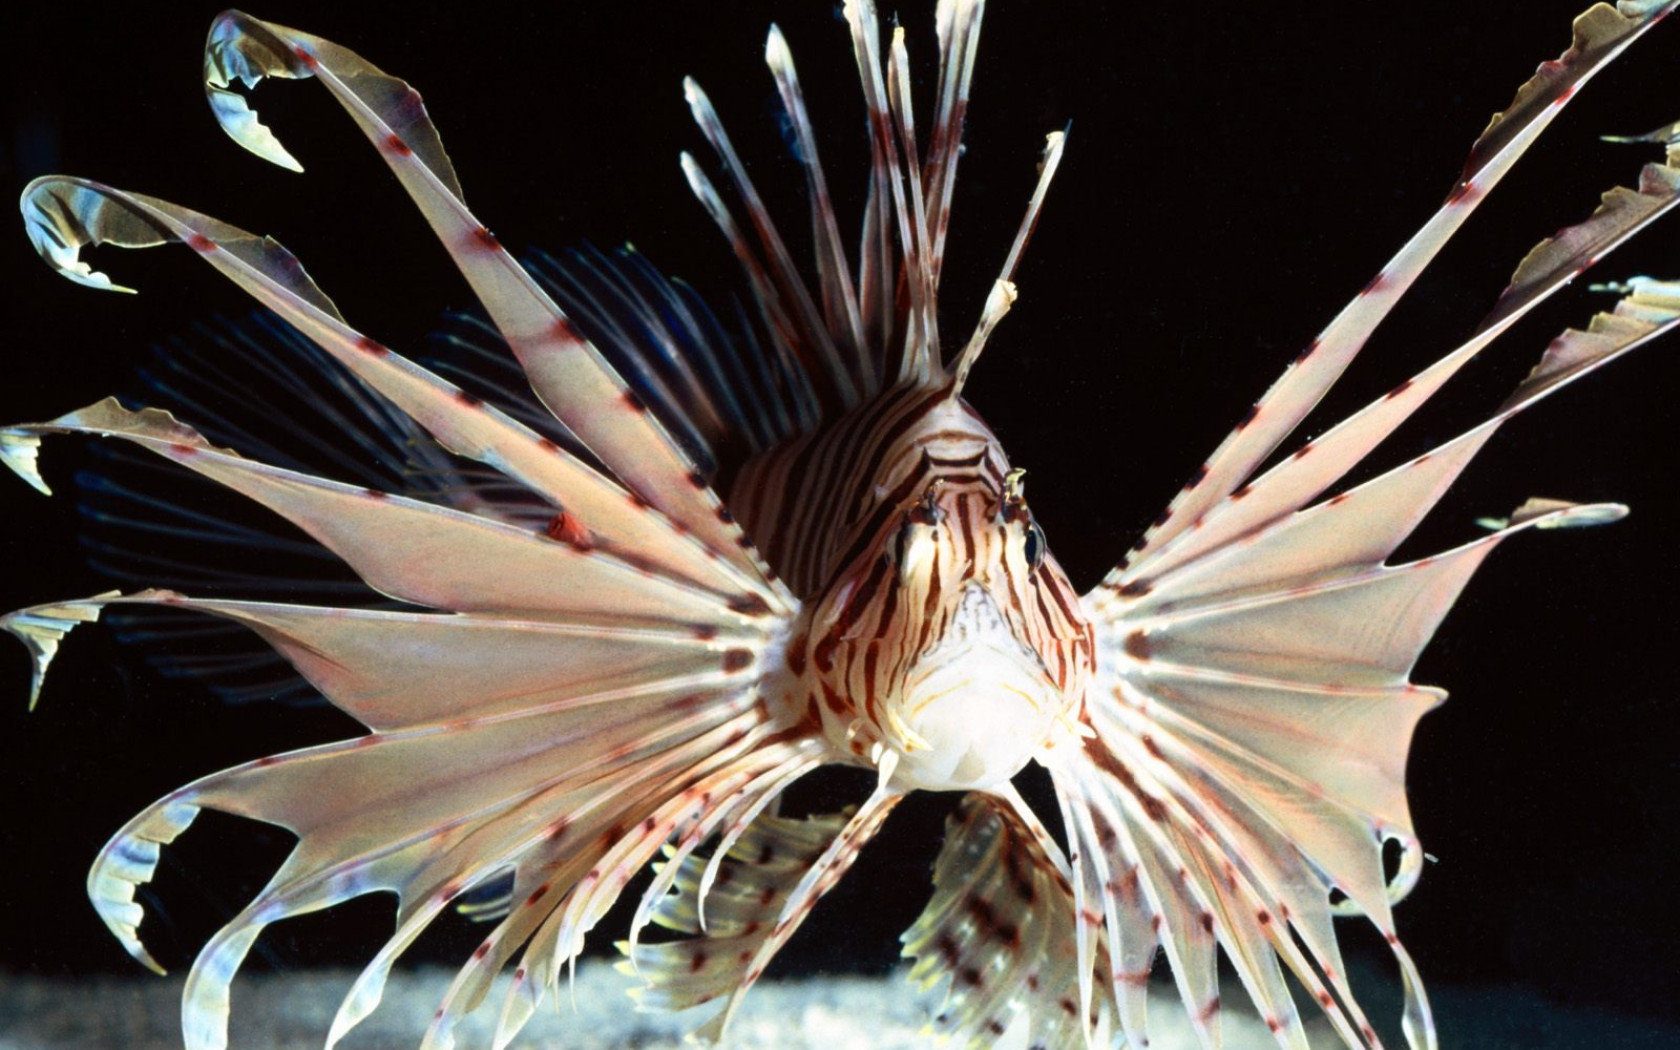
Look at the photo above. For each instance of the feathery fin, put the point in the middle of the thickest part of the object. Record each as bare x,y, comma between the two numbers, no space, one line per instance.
77,212
40,628
568,373
1253,709
1599,36
757,874
996,940
1293,482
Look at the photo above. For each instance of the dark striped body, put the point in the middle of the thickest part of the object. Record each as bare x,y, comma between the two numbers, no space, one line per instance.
934,622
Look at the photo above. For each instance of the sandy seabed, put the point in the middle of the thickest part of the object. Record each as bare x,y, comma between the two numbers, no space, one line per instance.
293,1011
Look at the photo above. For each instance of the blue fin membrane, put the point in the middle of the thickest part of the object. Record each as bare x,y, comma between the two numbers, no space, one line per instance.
258,387
714,389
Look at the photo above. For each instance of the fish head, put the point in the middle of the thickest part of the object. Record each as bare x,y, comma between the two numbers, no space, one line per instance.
956,640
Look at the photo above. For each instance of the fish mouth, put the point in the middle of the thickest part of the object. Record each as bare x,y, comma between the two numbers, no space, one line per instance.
977,705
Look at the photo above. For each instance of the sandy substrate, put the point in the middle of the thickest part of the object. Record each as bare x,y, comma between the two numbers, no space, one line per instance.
293,1012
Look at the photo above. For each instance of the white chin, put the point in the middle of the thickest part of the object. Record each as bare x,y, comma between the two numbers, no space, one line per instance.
981,724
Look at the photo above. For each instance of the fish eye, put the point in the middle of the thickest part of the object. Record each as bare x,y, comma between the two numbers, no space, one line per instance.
897,544
912,544
914,539
1033,548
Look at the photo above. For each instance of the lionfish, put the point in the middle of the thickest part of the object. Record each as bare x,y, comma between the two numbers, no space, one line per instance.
636,674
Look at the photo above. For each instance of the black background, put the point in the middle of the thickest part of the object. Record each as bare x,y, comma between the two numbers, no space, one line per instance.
1231,178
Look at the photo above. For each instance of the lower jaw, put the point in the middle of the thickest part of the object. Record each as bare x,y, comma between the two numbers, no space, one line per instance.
984,736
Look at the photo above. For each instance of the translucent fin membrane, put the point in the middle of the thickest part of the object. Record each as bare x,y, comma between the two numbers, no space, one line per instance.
63,214
996,942
582,697
815,879
41,628
656,331
256,383
1253,708
567,372
411,550
752,883
1600,34
1249,759
496,744
1319,464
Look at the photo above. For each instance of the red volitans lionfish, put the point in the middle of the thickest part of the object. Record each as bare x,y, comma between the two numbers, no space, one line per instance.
763,559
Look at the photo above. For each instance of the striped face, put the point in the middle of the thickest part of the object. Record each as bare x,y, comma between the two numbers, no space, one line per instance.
950,635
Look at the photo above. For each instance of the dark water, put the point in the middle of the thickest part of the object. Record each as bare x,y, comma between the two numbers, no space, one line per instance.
1231,177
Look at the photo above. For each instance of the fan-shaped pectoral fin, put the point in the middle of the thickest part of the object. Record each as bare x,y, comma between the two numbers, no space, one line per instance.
1247,758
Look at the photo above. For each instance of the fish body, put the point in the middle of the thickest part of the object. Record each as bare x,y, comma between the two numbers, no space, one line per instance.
639,673
937,624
